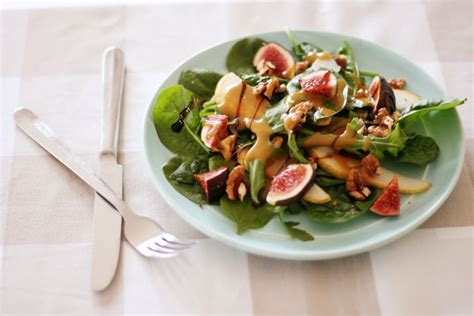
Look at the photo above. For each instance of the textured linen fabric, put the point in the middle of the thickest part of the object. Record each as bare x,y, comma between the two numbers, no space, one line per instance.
51,62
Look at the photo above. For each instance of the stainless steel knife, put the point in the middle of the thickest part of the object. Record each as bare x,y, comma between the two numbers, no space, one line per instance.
107,222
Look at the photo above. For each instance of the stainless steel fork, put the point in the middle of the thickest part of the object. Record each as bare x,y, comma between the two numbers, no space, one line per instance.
143,233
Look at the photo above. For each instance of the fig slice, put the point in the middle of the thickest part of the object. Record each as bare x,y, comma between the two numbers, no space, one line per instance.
381,94
213,183
388,203
272,59
316,195
290,184
321,82
214,130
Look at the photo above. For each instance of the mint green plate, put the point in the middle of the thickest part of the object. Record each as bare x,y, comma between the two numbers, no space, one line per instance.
331,240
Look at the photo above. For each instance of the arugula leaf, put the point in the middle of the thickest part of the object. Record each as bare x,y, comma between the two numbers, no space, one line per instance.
419,150
201,82
392,144
257,178
180,173
245,215
169,104
294,150
341,208
295,232
301,49
240,57
351,72
421,108
274,115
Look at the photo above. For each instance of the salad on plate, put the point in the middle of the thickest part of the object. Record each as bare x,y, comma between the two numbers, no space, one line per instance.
300,131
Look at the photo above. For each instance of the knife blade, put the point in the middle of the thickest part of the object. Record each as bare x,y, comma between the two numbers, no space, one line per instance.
107,222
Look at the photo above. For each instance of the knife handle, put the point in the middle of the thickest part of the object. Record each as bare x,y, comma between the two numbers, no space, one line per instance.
113,72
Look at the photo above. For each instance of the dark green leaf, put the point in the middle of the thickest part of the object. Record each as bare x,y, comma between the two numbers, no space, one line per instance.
421,108
341,208
301,49
240,57
257,178
295,232
168,106
419,150
180,173
274,115
201,82
245,215
216,161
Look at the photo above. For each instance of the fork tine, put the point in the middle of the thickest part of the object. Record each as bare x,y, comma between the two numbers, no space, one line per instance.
175,240
166,244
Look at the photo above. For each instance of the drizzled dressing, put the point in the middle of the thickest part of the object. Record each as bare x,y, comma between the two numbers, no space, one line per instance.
263,147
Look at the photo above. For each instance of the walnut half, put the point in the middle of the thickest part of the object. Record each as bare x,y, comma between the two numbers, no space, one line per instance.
355,186
235,184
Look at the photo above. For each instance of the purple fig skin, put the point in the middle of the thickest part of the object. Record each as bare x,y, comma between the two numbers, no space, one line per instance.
293,197
213,183
382,93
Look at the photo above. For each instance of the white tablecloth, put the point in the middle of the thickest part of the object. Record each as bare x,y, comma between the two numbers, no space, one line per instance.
51,63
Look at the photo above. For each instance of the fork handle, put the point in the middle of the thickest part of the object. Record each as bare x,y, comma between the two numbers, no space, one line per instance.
46,138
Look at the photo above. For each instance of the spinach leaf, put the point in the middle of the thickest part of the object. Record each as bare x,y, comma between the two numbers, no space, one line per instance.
274,115
301,49
245,215
325,179
216,161
201,82
254,79
341,208
421,108
208,108
240,57
257,178
294,150
295,232
169,104
419,150
180,173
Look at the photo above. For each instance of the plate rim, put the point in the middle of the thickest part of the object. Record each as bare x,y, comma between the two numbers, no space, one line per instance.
289,254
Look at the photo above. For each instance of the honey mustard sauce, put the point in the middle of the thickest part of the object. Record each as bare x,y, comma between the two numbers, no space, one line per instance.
231,100
263,148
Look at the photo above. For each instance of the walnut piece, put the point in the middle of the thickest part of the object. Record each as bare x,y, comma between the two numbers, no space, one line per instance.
236,179
397,83
297,114
341,60
370,164
268,87
266,68
355,186
277,141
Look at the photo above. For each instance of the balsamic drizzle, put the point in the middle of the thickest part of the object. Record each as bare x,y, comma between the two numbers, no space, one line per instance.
179,124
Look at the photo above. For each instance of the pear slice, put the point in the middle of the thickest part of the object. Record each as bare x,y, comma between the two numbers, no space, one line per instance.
316,195
339,166
405,98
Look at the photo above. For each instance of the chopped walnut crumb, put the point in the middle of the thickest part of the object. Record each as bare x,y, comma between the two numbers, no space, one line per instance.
266,68
301,66
361,93
370,164
233,184
384,123
397,83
